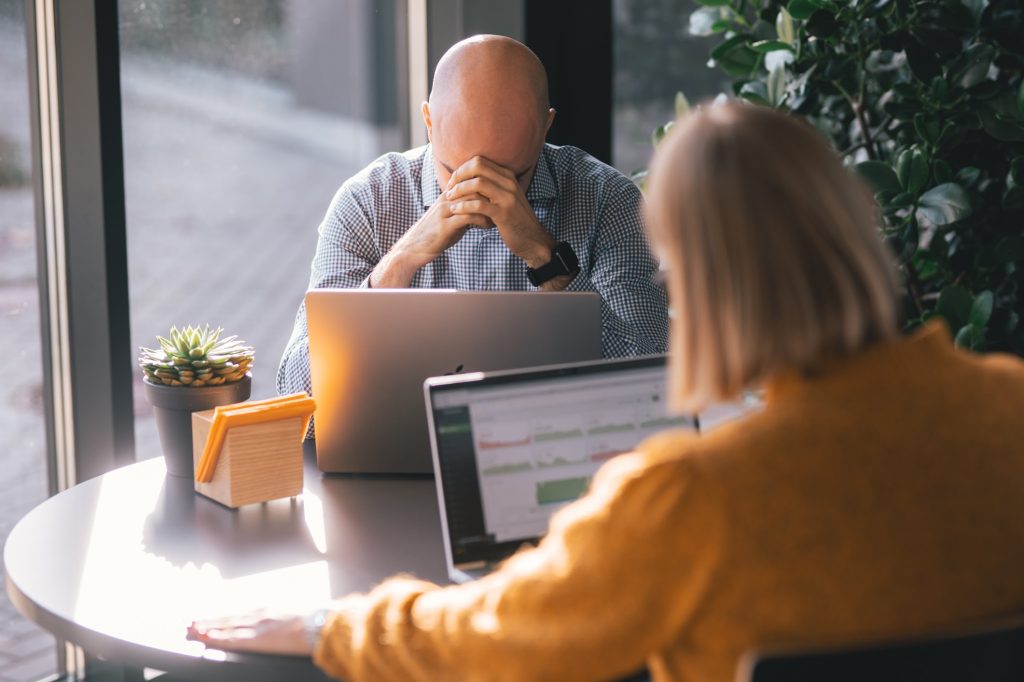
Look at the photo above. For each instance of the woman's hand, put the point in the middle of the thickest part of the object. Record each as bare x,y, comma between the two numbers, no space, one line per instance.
260,632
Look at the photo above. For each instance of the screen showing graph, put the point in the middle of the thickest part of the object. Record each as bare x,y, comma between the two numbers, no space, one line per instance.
538,446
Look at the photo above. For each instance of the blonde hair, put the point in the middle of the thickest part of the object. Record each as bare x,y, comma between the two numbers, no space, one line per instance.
774,258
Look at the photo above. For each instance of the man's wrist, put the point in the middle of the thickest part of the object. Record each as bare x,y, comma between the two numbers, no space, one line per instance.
395,270
540,253
559,283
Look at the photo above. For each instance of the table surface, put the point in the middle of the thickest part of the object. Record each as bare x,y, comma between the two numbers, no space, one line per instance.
122,563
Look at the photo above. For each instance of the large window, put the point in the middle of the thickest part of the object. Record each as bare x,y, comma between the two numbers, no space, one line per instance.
241,119
655,57
26,652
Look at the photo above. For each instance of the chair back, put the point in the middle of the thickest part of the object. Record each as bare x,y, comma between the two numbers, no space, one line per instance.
989,653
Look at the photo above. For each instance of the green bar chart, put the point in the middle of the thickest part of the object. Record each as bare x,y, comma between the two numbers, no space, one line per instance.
561,490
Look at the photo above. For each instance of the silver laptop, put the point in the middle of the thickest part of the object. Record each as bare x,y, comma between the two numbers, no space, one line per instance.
511,448
370,351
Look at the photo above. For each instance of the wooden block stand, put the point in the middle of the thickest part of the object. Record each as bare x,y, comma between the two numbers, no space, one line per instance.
257,463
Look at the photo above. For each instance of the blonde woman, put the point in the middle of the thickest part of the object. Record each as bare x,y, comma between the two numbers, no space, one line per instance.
877,493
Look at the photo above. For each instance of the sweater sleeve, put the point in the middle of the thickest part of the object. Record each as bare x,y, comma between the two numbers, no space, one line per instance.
614,580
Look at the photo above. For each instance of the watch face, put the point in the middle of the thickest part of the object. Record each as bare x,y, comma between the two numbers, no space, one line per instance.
563,262
564,254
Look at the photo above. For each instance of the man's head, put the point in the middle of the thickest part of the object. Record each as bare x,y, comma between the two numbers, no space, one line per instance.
490,99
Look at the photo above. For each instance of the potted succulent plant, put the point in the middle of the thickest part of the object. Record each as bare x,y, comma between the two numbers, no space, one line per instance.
192,370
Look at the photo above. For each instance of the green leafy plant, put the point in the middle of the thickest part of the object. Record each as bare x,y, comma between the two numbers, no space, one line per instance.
925,98
196,357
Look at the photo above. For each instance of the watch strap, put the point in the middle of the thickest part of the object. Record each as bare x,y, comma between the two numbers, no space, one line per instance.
563,262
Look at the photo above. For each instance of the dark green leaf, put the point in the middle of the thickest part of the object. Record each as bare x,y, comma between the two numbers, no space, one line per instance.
738,62
822,24
902,110
910,238
937,39
762,30
803,9
728,45
1010,249
902,200
939,89
943,171
970,337
879,174
944,204
770,45
756,92
1012,320
712,3
976,62
968,176
1001,128
922,61
912,170
908,90
981,309
1017,170
720,25
955,304
926,128
893,41
1013,200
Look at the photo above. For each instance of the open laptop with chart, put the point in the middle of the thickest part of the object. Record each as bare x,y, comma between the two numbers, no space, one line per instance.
511,448
371,349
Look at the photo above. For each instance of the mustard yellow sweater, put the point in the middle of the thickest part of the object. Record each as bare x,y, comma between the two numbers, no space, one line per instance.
881,498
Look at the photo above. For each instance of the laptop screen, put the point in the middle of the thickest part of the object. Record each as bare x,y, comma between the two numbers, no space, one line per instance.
512,448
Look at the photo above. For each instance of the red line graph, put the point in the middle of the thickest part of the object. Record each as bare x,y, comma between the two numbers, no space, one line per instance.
495,444
606,455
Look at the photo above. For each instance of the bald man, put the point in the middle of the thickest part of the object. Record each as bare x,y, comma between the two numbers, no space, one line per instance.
488,205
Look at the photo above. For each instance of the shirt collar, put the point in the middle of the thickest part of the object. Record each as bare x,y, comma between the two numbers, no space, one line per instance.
542,185
428,179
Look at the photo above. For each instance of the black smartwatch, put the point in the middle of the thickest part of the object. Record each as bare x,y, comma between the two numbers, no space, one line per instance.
563,262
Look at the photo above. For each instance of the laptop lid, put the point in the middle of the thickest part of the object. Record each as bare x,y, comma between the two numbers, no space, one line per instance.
511,448
371,349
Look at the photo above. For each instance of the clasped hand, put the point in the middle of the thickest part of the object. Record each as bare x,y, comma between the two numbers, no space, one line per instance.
481,187
483,194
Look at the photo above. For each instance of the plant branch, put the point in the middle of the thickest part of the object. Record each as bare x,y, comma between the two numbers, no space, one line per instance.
914,286
858,111
852,148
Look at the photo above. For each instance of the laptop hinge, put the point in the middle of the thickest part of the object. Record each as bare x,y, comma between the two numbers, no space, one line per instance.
471,565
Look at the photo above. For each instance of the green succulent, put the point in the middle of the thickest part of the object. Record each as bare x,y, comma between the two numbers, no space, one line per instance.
196,357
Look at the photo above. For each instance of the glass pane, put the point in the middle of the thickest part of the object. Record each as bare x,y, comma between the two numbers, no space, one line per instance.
26,652
241,120
655,57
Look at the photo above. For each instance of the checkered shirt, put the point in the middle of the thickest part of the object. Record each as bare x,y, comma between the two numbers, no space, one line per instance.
577,198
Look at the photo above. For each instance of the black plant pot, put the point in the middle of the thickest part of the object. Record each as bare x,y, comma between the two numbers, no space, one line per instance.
173,407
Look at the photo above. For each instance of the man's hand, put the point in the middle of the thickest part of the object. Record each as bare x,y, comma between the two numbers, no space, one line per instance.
482,187
438,229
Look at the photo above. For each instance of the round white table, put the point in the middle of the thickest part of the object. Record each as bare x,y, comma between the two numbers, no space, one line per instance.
120,564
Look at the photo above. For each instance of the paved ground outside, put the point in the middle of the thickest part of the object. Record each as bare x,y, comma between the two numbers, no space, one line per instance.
226,184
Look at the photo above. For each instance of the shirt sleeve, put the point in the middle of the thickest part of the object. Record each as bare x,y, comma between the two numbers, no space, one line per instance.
346,253
634,306
612,583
